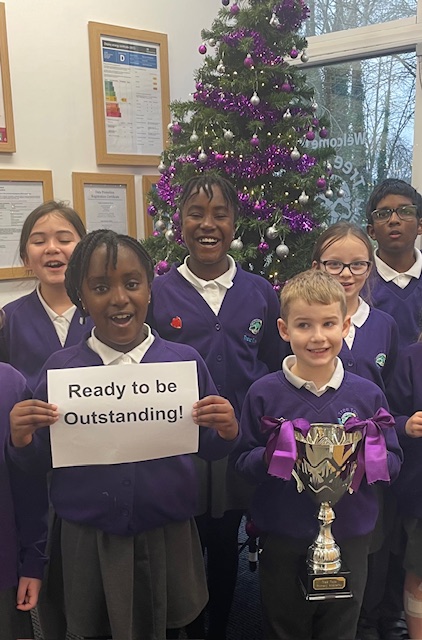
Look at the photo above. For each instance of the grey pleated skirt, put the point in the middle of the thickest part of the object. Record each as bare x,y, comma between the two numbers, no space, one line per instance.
132,588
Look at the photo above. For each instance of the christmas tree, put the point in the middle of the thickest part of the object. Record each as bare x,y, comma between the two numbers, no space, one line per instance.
252,119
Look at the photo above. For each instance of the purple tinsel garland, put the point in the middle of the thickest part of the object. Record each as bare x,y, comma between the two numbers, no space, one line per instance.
226,101
291,14
259,50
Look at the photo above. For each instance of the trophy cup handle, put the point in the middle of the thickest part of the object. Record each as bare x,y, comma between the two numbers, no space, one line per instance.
299,483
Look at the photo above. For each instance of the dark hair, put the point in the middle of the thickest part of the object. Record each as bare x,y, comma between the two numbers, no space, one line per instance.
394,187
336,232
206,181
52,206
79,262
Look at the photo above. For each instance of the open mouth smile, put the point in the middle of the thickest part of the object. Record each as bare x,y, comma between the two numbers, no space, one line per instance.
208,241
121,319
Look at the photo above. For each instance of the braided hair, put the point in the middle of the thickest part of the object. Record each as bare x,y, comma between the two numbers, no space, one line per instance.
206,181
78,266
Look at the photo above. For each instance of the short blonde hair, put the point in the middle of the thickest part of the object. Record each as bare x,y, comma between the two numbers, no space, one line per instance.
314,287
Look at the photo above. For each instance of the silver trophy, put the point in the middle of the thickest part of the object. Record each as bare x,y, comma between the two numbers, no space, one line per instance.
325,465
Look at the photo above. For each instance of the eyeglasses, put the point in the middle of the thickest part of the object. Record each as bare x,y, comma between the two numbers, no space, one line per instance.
335,267
405,212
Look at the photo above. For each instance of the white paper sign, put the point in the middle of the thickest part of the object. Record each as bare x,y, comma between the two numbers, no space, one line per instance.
123,413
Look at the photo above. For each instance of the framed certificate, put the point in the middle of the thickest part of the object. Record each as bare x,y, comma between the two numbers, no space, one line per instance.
147,183
106,201
130,94
20,193
7,131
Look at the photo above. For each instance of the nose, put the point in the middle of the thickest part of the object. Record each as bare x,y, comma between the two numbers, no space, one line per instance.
51,246
394,218
208,221
346,272
119,297
317,334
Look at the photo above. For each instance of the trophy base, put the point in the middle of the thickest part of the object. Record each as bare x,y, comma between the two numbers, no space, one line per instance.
325,586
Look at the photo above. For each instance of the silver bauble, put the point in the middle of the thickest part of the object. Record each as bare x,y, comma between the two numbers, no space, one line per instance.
161,167
272,233
202,157
295,154
255,99
236,244
228,135
274,21
282,251
287,115
328,166
170,126
304,57
303,198
194,137
341,193
329,193
314,106
211,42
220,67
169,235
160,225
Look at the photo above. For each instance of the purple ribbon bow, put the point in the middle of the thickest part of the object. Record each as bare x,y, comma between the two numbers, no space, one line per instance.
281,449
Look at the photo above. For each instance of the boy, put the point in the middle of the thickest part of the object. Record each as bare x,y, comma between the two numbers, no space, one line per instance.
311,385
394,214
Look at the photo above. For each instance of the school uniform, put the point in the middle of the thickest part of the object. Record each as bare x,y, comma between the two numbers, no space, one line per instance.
371,347
121,523
400,295
288,517
28,336
23,502
232,322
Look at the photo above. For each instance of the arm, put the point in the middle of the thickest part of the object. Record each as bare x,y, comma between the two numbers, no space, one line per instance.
392,355
251,461
272,349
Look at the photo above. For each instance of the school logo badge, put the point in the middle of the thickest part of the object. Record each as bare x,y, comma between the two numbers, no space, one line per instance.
380,359
345,414
255,326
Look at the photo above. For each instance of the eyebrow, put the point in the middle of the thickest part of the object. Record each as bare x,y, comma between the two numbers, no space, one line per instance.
44,233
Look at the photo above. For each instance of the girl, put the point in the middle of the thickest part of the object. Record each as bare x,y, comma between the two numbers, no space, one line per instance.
405,397
44,321
23,532
370,348
230,317
132,562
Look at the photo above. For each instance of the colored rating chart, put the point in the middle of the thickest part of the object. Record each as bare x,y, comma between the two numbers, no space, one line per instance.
112,107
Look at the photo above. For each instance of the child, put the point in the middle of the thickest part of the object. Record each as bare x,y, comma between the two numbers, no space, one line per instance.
23,531
36,325
131,555
44,321
230,316
394,212
311,385
405,396
370,347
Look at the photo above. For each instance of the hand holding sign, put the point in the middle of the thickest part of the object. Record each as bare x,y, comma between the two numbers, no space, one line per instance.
28,416
216,413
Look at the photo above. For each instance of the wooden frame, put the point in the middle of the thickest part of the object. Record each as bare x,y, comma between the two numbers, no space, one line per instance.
147,183
83,181
7,130
14,182
129,130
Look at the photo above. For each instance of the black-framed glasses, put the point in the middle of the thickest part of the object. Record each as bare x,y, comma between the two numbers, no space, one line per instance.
335,267
405,212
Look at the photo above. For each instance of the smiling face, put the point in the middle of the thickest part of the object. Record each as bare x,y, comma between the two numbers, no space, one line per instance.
49,247
395,237
208,230
117,299
347,250
315,332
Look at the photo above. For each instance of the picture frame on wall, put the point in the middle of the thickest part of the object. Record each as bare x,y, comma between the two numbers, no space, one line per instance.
21,191
130,94
147,183
7,130
106,201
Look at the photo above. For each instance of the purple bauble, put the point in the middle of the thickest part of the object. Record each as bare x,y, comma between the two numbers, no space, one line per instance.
219,157
176,218
315,122
199,86
176,129
225,2
151,210
321,183
162,267
310,135
254,140
323,133
294,53
286,87
263,247
156,233
248,61
234,9
202,49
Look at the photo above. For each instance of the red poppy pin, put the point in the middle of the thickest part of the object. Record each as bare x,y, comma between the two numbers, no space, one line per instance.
176,322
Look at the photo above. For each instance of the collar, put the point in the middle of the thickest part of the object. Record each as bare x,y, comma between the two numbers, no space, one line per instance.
334,382
225,280
112,356
361,315
388,274
67,315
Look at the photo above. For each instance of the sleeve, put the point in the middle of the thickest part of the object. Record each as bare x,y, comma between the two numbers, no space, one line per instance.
401,392
272,348
250,459
4,337
392,355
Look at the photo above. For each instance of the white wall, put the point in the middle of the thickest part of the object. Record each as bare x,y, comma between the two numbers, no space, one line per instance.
51,84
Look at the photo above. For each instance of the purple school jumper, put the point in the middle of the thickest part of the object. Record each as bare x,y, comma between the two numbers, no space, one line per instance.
23,500
405,397
28,337
239,345
374,350
125,499
278,507
404,305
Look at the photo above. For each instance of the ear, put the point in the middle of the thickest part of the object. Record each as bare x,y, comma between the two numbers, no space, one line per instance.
282,329
419,226
346,326
314,264
370,231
